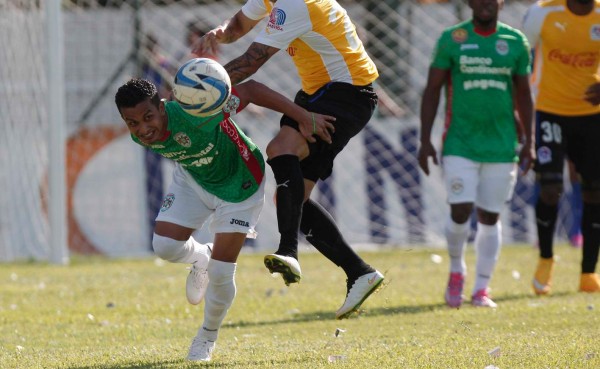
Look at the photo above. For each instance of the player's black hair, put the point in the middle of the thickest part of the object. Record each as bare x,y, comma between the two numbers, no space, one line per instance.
134,92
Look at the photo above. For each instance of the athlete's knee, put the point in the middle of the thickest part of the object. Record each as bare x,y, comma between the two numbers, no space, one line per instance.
275,148
550,193
166,248
487,218
460,213
287,142
590,191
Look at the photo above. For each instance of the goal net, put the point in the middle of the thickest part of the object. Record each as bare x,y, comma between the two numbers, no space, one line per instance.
114,188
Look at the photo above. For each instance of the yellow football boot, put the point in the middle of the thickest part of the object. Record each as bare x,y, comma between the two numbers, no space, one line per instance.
590,282
542,279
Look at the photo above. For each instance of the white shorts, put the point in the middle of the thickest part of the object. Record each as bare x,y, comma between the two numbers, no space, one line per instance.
488,185
189,205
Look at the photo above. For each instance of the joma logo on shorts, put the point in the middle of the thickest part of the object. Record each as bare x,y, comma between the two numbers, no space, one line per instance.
239,222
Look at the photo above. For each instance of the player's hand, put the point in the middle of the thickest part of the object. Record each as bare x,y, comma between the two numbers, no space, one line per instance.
526,157
207,46
425,152
317,124
592,94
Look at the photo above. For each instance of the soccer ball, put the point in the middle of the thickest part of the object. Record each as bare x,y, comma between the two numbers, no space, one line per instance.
201,87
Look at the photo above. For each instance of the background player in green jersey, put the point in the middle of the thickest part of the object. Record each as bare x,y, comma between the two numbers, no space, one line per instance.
219,172
484,65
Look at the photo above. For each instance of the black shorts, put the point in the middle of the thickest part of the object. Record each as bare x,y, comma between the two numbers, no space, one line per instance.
575,137
352,106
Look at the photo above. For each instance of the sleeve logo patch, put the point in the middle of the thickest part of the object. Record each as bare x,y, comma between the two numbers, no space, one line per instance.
167,202
459,35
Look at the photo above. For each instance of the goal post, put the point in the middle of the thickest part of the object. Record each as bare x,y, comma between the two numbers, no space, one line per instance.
57,210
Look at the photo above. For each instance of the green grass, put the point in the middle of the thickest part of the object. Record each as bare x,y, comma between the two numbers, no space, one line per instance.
99,313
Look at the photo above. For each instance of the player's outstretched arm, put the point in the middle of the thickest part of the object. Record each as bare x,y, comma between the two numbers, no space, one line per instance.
310,123
429,106
230,31
249,62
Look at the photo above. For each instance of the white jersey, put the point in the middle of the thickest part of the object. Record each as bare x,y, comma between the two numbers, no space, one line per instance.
320,38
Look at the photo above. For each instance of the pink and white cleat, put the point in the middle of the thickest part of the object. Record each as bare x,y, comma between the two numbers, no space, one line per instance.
481,298
454,297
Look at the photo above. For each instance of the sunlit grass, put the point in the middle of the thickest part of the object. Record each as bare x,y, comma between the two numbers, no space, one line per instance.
100,313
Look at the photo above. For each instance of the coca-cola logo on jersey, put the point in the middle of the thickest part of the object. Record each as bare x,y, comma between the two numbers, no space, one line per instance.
577,60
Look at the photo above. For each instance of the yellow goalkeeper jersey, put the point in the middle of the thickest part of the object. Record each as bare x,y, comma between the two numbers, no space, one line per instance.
566,56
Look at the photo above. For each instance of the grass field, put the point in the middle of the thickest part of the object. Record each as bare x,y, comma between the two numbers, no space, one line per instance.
99,313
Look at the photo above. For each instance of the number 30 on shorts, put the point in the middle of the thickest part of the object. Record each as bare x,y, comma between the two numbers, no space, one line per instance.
551,132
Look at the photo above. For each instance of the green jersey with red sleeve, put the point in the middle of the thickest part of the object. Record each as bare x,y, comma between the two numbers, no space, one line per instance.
214,150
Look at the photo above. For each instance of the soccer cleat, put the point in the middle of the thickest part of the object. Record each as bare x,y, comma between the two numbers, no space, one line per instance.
542,280
454,292
482,299
287,266
201,349
197,281
590,282
358,292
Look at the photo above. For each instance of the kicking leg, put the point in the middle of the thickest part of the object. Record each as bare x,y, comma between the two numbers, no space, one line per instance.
321,231
174,243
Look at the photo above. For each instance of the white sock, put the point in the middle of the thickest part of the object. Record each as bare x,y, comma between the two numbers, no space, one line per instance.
219,296
176,251
487,245
456,237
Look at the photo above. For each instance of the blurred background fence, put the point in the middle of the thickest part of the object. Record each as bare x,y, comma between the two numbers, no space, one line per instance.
113,187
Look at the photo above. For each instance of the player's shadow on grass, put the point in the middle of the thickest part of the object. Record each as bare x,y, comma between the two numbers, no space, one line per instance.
417,309
182,363
154,364
388,310
330,315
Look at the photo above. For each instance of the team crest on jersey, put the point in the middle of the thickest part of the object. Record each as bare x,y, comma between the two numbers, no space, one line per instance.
459,35
167,202
502,47
544,155
595,32
232,105
182,139
456,185
276,19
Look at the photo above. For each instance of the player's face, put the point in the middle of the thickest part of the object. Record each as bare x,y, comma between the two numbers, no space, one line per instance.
146,121
485,12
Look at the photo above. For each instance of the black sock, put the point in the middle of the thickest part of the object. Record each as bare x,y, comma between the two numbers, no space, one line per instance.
590,230
546,220
320,230
290,195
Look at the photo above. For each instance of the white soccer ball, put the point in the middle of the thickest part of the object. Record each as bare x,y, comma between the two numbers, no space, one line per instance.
201,87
